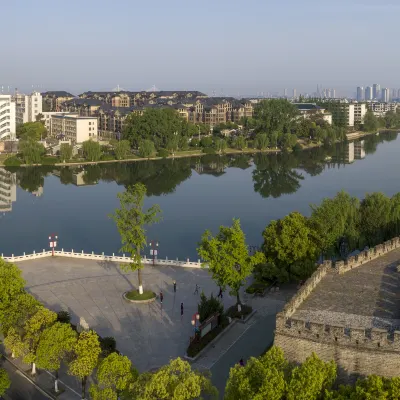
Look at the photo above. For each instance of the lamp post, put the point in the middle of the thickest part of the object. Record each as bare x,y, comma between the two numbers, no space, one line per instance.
53,242
195,322
153,250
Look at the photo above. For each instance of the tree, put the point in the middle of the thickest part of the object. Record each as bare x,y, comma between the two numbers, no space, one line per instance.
31,131
173,144
56,344
31,151
288,141
220,145
261,378
261,141
289,241
227,257
114,375
309,380
131,221
208,307
65,152
121,149
86,354
175,381
375,215
11,285
240,143
5,381
91,150
39,118
370,122
146,149
206,142
34,327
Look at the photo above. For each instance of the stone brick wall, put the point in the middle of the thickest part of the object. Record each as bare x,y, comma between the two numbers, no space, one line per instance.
357,351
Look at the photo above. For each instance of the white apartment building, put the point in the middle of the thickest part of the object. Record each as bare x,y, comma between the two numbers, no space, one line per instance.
385,95
73,127
380,109
7,117
47,118
8,190
27,107
360,109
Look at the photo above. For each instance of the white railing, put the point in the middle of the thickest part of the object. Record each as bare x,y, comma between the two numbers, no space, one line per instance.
100,257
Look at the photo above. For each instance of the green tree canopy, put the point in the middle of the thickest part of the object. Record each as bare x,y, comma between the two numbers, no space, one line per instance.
31,151
5,381
146,148
114,375
56,345
371,123
131,221
86,354
227,257
175,381
65,152
288,242
91,150
121,149
262,141
31,131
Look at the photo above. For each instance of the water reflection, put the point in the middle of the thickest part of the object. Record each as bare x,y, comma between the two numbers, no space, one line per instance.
273,175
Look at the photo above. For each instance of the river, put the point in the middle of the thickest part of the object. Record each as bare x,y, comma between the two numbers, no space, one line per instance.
195,194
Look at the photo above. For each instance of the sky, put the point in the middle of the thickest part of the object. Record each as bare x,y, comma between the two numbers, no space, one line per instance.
229,47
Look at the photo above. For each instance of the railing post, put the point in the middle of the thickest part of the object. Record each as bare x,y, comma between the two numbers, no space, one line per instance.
92,253
72,251
123,255
102,253
166,258
24,253
113,255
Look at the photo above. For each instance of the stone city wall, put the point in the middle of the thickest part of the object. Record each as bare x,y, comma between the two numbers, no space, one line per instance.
357,351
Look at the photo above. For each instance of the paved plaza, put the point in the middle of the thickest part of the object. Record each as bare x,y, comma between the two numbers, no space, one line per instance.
150,335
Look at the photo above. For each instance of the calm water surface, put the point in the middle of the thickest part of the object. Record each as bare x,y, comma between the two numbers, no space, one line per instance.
195,194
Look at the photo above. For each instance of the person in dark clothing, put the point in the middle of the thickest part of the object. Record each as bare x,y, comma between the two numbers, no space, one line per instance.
241,362
220,294
181,310
161,297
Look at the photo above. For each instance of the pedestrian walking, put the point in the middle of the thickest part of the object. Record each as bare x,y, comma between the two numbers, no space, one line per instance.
241,362
181,310
220,294
174,286
161,297
196,291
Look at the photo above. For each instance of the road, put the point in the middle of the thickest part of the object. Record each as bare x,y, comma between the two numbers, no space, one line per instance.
21,388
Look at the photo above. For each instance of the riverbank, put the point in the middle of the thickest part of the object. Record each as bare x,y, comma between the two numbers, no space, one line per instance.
191,153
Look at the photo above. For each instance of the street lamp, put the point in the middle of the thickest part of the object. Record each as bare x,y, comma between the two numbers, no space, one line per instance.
153,250
195,322
53,242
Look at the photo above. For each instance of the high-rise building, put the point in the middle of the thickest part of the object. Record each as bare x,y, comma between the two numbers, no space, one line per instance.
334,93
368,93
398,94
7,117
376,91
285,93
8,192
294,93
394,94
28,107
385,95
360,93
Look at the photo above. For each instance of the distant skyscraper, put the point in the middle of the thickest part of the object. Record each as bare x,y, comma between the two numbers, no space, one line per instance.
294,93
368,93
334,93
385,95
394,92
376,91
285,93
360,93
398,94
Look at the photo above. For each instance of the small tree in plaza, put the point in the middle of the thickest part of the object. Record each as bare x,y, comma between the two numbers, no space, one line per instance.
228,258
86,355
5,381
131,221
56,344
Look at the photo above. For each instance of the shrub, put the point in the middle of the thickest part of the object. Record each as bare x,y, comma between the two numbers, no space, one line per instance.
209,150
297,147
12,162
195,142
108,345
64,317
257,287
164,153
209,306
107,157
50,160
206,141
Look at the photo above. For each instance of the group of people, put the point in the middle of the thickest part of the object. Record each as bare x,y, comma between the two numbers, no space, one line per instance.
161,296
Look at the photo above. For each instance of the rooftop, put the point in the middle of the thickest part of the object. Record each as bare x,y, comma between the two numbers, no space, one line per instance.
368,296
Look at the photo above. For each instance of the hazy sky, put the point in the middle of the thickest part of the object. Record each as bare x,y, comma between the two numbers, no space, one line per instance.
239,46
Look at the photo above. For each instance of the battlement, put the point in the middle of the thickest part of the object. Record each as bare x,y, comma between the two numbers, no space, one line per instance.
338,267
374,339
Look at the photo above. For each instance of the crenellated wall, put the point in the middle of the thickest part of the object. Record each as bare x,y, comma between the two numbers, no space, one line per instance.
357,351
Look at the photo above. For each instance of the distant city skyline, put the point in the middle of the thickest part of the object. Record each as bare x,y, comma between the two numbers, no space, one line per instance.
244,48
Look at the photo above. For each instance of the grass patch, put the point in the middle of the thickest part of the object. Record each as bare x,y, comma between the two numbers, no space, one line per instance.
134,295
198,344
50,160
234,313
